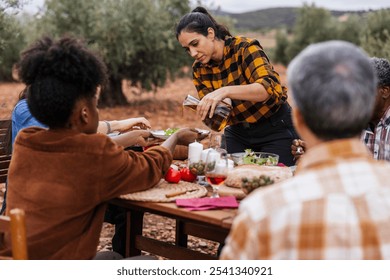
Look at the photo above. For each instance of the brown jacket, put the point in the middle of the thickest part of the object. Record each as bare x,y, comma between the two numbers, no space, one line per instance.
63,180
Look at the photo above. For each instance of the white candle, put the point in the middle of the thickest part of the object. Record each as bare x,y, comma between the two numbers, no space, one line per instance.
194,151
230,164
204,154
221,167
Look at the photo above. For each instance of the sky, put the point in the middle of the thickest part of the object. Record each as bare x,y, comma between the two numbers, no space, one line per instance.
239,6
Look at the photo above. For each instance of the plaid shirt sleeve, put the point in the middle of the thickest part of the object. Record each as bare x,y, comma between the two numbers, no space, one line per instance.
244,62
257,69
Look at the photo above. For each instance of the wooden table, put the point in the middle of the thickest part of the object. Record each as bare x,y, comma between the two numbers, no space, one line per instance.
212,225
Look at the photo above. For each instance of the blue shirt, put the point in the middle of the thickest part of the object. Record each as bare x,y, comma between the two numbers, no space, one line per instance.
22,118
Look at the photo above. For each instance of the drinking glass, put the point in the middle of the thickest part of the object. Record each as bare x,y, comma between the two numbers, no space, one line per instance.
216,169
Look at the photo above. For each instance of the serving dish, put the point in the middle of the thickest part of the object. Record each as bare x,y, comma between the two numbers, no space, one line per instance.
259,158
159,134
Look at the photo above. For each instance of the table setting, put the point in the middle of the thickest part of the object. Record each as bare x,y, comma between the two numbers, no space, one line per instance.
210,178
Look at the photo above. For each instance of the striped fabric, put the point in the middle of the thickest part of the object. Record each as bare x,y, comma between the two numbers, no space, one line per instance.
244,63
337,206
377,139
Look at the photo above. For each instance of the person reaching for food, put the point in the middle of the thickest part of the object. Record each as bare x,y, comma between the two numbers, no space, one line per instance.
83,170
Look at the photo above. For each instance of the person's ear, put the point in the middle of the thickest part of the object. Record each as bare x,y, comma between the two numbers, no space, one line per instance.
385,92
211,33
84,116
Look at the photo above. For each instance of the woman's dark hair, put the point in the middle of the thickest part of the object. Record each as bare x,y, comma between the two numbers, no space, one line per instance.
199,21
57,74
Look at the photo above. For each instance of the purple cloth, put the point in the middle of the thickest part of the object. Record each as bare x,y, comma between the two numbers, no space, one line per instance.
207,203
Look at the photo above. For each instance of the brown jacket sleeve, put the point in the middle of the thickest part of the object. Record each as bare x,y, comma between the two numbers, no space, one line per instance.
128,171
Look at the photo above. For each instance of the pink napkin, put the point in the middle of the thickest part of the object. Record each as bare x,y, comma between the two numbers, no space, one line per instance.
207,203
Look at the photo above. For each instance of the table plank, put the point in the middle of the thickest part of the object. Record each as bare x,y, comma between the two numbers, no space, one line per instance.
213,217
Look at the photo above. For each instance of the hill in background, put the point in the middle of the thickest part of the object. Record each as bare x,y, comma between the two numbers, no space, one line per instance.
272,18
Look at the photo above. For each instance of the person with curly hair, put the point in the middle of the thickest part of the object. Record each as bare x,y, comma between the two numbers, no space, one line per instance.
64,176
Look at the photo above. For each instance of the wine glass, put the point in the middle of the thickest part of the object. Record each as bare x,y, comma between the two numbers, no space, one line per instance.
216,169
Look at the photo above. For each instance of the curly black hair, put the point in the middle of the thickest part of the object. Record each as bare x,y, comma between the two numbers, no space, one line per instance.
57,74
382,69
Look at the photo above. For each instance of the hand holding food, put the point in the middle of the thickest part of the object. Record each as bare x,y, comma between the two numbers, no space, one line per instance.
186,136
298,148
131,124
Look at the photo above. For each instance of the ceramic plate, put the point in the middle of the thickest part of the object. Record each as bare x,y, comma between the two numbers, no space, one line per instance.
159,134
203,131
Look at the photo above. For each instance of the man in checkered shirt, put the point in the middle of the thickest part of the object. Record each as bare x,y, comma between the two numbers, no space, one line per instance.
377,135
337,206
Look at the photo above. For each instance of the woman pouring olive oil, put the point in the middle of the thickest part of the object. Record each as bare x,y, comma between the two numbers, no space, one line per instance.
236,68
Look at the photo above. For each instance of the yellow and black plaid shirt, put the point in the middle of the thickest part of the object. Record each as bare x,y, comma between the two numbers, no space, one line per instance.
244,62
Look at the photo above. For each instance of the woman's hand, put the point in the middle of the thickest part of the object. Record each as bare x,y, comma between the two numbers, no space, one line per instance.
130,124
210,101
122,126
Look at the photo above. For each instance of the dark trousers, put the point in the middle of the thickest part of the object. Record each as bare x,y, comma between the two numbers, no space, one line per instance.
272,135
117,216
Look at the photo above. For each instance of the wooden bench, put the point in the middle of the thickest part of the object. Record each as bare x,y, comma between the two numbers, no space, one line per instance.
5,148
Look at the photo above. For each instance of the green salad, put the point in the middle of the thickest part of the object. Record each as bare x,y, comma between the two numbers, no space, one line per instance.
170,131
251,158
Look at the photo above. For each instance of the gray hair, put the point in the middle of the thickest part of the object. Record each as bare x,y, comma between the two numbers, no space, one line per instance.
382,68
333,85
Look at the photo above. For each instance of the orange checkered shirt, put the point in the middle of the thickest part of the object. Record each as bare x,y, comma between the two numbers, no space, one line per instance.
244,62
337,206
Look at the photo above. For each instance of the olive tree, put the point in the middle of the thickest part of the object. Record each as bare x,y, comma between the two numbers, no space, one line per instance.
11,37
313,25
375,38
135,38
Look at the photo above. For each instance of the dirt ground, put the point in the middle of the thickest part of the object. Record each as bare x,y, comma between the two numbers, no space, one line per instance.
163,109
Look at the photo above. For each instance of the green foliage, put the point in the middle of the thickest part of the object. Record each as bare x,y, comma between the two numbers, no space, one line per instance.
135,37
313,25
375,38
280,55
11,38
350,29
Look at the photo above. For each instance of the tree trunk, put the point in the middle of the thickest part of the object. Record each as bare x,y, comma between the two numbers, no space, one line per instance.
113,95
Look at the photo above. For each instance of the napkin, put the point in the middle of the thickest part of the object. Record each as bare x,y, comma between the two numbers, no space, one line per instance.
207,203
